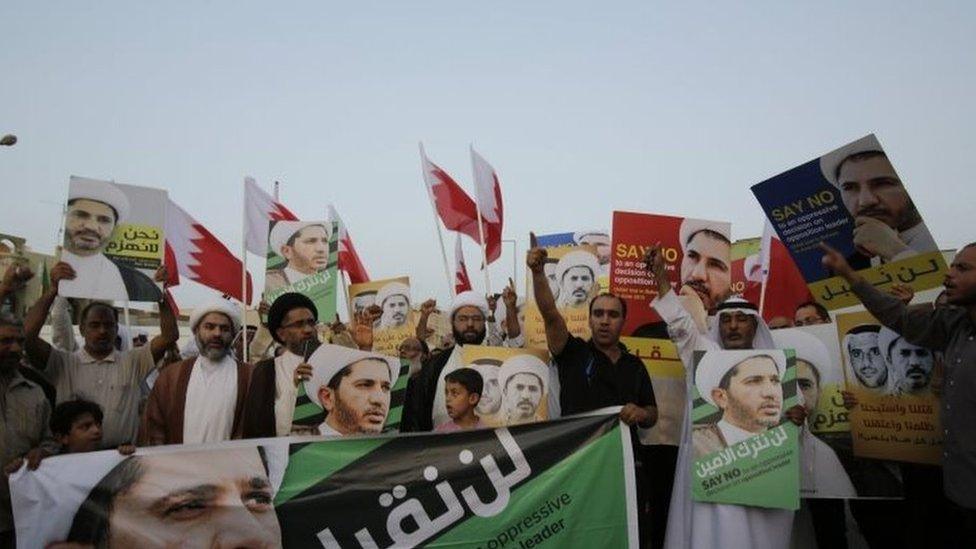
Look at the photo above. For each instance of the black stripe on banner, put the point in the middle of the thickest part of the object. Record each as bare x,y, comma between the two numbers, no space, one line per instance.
350,499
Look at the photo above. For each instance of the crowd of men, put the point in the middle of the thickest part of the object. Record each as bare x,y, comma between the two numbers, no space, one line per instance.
62,396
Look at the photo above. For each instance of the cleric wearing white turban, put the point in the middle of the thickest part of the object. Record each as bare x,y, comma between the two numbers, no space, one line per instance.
576,274
522,379
353,387
305,248
394,300
95,208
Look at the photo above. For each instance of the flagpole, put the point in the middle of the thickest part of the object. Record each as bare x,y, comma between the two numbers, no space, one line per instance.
437,225
244,276
481,230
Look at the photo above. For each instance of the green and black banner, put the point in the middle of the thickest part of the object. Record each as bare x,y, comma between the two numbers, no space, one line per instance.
567,482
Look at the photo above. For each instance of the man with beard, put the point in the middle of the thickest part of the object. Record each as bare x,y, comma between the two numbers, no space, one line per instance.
738,325
706,264
749,393
600,372
491,394
576,273
887,226
270,407
950,330
98,372
24,412
468,314
910,366
95,209
201,399
352,387
305,247
394,300
522,380
864,357
363,300
810,313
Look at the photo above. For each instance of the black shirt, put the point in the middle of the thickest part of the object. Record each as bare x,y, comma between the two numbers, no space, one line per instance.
588,380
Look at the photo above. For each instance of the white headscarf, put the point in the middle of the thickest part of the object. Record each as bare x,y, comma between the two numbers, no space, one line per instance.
763,338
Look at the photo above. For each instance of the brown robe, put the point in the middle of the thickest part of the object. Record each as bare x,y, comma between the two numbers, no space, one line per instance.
163,420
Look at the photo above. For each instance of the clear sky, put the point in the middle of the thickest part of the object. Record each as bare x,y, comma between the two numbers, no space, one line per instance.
582,109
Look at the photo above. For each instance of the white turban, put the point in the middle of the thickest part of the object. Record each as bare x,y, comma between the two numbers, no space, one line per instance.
523,364
218,305
577,258
328,360
715,364
830,162
579,235
764,336
100,191
469,299
390,290
284,230
690,227
807,347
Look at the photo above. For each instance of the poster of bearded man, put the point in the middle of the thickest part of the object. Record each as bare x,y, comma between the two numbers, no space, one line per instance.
303,258
574,274
397,321
897,414
113,239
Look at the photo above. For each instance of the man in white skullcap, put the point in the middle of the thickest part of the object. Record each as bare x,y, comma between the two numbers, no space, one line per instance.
820,470
887,226
576,273
353,387
522,380
706,264
394,299
909,366
469,314
201,399
305,248
95,208
737,325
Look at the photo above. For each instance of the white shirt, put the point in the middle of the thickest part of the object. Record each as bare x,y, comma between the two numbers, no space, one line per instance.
97,278
733,434
292,276
285,392
211,397
821,474
326,430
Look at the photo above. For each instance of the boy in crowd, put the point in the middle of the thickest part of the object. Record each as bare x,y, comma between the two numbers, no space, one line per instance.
462,392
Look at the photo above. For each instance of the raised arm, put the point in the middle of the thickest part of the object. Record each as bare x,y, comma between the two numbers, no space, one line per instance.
557,334
684,331
510,298
169,331
13,280
38,350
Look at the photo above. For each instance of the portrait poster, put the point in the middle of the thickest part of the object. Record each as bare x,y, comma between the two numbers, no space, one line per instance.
852,199
660,358
828,467
571,271
14,253
364,416
697,254
303,257
398,320
897,414
745,451
114,240
746,277
598,238
521,486
515,384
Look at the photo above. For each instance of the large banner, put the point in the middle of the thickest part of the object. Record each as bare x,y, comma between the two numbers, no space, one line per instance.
852,199
514,487
113,238
397,322
572,272
697,253
828,468
897,413
303,257
362,390
745,450
515,384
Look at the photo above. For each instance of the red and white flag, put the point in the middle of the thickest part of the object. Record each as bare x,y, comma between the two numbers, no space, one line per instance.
461,281
489,195
260,208
453,205
348,258
194,252
783,286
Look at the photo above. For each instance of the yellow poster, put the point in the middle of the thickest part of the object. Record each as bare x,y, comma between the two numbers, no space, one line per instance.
397,321
572,273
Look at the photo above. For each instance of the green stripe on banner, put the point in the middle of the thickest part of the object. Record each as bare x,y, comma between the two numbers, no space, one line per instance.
318,461
551,507
306,413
